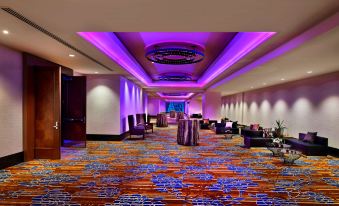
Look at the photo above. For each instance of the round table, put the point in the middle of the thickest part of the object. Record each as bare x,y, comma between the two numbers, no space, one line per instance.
277,151
188,132
162,120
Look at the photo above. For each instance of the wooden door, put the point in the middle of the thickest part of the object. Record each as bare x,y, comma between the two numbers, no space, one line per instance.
73,111
47,112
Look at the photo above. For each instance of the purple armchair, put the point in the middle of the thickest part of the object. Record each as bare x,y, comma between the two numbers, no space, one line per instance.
135,130
141,120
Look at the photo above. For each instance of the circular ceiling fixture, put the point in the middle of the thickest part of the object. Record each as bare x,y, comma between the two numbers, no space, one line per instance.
175,77
175,53
175,94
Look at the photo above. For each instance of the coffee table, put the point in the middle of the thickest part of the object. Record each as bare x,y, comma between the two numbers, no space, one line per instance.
290,155
228,136
277,151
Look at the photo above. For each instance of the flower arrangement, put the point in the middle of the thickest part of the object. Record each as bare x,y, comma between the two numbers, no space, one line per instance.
276,142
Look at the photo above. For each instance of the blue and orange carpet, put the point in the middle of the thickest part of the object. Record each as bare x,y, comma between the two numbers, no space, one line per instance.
157,171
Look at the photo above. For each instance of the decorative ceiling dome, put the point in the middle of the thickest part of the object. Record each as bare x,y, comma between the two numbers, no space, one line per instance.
175,77
175,53
174,94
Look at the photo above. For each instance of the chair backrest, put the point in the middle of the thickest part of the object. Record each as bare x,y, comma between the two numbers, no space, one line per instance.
140,119
172,114
130,122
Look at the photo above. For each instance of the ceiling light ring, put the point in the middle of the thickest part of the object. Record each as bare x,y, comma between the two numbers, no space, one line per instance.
176,76
175,53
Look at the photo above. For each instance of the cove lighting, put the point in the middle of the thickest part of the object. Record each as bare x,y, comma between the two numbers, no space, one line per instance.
175,97
241,45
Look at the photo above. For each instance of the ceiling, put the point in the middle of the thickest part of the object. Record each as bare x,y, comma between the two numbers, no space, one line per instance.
212,42
65,18
319,56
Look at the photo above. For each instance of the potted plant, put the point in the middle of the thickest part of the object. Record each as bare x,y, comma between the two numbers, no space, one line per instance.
279,128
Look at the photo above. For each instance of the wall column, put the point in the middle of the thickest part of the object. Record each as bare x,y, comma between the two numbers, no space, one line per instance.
211,105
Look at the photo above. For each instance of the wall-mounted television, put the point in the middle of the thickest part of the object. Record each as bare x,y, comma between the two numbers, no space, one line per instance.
175,106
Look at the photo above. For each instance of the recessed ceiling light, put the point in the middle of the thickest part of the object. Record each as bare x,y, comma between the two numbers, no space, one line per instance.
309,72
71,55
282,79
264,83
96,72
252,87
5,31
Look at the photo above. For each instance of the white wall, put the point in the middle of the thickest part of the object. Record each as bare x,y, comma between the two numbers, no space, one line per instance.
211,105
103,104
232,107
195,106
11,136
133,100
305,105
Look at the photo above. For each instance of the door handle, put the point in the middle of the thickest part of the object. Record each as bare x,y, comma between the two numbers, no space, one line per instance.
56,126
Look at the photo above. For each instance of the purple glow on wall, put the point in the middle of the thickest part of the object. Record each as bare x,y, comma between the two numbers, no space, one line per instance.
241,45
132,101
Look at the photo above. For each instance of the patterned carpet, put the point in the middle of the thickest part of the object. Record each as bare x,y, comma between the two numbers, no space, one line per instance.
157,171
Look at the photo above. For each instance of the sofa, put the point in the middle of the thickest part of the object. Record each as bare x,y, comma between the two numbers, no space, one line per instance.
254,138
206,123
197,116
318,148
220,128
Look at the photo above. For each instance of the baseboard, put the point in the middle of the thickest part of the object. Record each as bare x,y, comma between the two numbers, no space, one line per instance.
106,137
11,160
333,151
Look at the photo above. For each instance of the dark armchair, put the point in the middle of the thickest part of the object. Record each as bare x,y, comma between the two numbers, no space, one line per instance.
220,128
254,138
135,130
197,116
206,123
141,120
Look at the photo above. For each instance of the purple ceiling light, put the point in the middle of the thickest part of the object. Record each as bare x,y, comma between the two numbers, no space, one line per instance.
110,45
324,26
175,76
188,95
242,44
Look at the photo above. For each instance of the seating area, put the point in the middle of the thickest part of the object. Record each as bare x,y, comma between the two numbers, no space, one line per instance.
315,146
